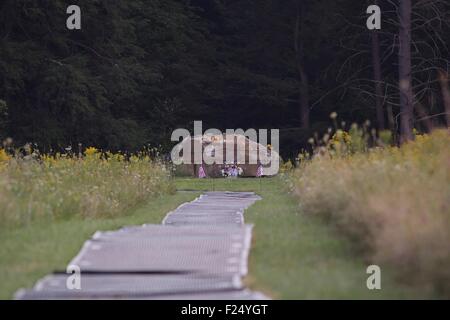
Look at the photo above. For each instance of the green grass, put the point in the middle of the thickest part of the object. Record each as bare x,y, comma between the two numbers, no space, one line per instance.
242,184
293,256
29,253
298,256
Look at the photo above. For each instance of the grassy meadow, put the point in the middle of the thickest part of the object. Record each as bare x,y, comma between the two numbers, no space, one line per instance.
316,229
50,205
394,203
35,188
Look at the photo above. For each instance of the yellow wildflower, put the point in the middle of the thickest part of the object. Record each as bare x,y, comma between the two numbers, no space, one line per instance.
4,156
91,151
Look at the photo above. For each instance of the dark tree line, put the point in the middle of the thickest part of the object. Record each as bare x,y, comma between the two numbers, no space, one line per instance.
139,69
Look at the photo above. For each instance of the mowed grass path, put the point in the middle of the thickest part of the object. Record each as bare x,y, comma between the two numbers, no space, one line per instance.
27,254
298,256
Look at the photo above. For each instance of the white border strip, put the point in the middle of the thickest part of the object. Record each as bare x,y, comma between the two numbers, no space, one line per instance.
179,207
246,250
75,261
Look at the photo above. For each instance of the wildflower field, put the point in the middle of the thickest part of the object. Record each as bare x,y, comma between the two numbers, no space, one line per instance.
50,205
393,202
61,186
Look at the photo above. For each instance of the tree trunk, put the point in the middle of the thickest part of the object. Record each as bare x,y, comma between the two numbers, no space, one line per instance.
424,118
405,76
391,122
303,77
379,96
443,79
304,100
376,63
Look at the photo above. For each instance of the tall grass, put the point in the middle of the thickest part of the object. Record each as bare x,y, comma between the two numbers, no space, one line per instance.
59,187
394,201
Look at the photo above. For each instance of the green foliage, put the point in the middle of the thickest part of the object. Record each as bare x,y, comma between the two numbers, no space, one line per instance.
358,138
139,69
112,84
386,137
